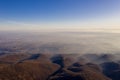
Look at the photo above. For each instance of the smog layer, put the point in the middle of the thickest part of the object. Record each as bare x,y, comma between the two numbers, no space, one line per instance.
60,55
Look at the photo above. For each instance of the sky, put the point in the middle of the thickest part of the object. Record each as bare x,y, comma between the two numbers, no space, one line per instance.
34,14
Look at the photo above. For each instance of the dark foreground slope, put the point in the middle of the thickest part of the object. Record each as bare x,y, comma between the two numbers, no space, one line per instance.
82,72
59,67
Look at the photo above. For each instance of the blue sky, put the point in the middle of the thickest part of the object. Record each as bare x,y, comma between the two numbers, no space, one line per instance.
60,12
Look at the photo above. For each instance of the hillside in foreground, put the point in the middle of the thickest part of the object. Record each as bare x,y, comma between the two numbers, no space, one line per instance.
59,67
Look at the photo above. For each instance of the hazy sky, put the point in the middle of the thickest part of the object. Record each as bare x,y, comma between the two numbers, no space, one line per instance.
59,13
